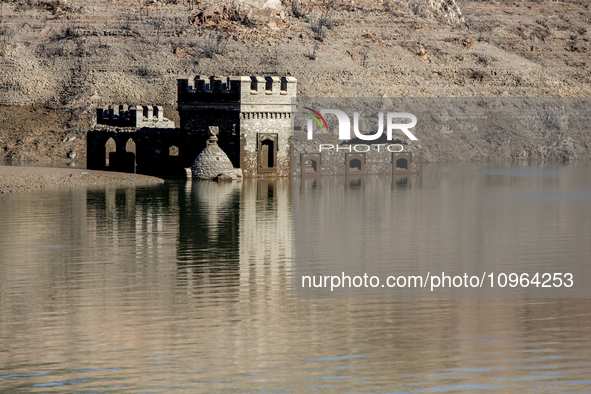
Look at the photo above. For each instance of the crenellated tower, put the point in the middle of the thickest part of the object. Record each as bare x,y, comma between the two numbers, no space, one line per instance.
253,115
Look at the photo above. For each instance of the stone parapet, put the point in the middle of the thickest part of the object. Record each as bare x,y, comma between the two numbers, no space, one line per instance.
135,116
245,94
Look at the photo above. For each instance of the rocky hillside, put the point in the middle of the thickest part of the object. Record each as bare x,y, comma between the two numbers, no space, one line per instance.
66,57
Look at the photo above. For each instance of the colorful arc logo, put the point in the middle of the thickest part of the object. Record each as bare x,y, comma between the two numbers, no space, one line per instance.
317,115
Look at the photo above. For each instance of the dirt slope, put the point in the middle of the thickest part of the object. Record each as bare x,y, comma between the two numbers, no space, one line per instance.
72,56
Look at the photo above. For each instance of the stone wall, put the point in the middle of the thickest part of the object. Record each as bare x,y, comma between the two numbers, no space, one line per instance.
150,151
253,115
272,130
309,159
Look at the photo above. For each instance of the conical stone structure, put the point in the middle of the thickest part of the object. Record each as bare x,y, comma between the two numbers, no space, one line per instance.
213,162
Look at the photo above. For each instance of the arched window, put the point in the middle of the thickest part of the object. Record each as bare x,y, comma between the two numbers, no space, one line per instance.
130,146
129,164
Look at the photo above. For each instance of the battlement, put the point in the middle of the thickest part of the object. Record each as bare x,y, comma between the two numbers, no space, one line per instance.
237,92
135,116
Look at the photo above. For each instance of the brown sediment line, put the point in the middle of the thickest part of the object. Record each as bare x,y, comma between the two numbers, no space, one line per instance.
19,179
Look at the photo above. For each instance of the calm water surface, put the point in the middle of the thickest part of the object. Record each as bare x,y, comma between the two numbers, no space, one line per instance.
185,287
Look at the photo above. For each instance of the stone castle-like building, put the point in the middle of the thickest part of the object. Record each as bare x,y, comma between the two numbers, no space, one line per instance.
233,127
251,116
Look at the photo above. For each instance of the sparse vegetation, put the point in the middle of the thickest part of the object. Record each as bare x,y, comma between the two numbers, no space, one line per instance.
479,75
71,30
272,59
382,36
7,37
145,71
214,45
158,25
324,21
143,8
55,7
363,56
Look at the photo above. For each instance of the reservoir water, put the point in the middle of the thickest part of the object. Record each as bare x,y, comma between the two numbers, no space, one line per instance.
186,287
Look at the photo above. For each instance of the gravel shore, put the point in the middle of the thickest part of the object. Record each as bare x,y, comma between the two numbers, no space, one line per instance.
19,179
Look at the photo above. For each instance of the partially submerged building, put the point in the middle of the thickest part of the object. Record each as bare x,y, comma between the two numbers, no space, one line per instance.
252,116
245,122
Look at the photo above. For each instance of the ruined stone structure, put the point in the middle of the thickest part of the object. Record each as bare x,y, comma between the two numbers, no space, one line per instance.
357,163
352,157
138,139
213,162
149,116
252,114
229,128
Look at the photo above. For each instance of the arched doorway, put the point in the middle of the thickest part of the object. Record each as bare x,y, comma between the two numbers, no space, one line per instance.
129,164
311,165
267,148
110,152
355,165
268,154
402,164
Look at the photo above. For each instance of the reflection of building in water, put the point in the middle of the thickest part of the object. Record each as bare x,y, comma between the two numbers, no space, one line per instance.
124,304
133,220
207,251
265,234
233,234
352,182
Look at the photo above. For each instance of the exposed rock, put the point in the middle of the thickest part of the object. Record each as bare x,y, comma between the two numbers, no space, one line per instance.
447,11
247,12
262,4
55,71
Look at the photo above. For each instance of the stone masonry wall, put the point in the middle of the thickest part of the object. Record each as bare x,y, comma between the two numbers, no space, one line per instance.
337,161
136,116
253,115
255,129
152,153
